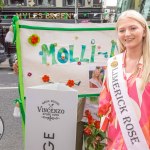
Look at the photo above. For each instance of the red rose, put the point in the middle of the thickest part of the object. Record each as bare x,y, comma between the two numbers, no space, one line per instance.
92,131
87,112
97,124
88,131
90,119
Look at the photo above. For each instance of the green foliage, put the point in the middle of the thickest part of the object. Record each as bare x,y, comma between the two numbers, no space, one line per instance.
94,137
1,3
89,145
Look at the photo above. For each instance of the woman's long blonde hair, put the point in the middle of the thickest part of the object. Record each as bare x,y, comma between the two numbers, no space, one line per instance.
146,42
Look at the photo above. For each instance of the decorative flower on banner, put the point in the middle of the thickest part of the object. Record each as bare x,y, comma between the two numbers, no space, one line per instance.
95,133
29,74
34,39
70,83
45,78
79,62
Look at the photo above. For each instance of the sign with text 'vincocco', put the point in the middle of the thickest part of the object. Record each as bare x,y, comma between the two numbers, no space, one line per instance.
51,117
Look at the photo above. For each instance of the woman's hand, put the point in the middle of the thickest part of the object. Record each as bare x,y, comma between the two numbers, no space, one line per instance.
15,67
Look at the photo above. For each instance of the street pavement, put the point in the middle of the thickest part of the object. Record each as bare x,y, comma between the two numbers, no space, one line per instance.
12,138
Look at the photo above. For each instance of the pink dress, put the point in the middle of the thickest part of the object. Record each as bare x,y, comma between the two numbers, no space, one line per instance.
141,103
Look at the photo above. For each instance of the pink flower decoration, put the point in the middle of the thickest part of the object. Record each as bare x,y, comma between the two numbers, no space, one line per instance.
29,74
79,63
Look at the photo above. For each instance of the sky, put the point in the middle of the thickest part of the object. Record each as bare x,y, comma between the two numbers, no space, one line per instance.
111,2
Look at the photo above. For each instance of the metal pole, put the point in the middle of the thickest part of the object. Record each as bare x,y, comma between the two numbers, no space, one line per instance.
76,11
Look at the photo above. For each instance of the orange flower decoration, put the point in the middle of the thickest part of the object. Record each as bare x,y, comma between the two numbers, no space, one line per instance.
45,78
70,83
34,39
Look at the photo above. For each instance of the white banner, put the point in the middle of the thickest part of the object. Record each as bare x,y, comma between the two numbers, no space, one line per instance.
65,52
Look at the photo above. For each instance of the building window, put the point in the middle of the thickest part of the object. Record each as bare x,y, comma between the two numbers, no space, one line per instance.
31,3
97,3
47,2
72,2
16,2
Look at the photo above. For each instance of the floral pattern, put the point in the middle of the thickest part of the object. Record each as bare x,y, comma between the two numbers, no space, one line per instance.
46,78
34,39
70,83
94,135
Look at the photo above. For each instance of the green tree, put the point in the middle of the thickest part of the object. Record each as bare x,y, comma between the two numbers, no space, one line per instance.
1,3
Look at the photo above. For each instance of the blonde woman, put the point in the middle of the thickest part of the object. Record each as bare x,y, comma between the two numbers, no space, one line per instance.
96,80
127,86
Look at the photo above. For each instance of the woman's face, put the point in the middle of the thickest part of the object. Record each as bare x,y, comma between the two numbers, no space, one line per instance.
97,72
130,33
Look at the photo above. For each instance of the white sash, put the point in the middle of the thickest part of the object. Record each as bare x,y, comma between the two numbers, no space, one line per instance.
129,124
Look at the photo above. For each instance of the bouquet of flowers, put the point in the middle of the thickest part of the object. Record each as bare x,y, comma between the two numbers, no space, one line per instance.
94,131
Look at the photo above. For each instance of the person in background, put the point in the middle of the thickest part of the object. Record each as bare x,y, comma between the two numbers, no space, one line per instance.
10,35
126,89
